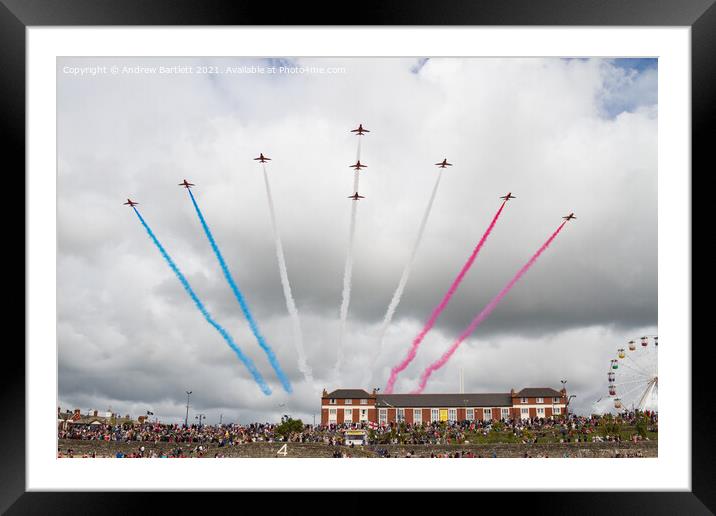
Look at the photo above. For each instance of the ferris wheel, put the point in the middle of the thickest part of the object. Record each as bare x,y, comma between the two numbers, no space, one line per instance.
633,377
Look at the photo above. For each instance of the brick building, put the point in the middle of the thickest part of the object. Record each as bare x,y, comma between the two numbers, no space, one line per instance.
357,405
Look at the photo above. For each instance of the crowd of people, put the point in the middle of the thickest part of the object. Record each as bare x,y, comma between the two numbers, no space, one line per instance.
595,428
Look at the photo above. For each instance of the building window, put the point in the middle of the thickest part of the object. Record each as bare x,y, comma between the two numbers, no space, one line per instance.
557,410
555,400
487,414
349,402
452,414
505,413
540,411
364,414
332,414
401,414
363,402
470,414
525,412
523,400
434,414
348,415
383,416
540,400
332,401
417,415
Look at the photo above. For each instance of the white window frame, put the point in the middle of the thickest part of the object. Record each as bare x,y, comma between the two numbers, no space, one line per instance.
555,400
400,414
349,402
363,402
524,400
434,415
540,411
346,413
540,400
505,413
383,416
470,414
332,401
487,414
452,414
417,415
332,412
363,415
525,413
557,411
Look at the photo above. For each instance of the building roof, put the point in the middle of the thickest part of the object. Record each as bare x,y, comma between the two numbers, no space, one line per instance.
538,392
499,399
348,393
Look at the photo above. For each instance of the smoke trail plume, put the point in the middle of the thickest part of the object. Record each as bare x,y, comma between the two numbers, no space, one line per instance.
348,269
404,277
287,294
242,302
443,304
483,314
230,341
347,280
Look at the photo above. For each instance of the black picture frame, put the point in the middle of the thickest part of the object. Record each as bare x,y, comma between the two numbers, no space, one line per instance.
17,15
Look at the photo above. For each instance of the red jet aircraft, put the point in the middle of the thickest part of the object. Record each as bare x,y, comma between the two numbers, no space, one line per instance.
444,164
131,203
262,158
360,131
358,165
570,216
508,196
356,197
186,184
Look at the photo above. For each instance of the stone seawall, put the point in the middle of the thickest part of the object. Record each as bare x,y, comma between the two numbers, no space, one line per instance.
552,450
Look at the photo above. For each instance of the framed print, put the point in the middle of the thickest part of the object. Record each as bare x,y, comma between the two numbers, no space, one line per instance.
454,235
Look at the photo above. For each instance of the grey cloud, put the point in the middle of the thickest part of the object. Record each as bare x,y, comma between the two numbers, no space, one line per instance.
128,335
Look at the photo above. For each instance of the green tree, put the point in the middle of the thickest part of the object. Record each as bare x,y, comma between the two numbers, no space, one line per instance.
289,426
641,425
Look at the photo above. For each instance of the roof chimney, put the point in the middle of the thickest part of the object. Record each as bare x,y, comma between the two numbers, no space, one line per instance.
325,393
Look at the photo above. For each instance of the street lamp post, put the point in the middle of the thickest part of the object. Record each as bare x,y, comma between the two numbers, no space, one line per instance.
200,417
186,418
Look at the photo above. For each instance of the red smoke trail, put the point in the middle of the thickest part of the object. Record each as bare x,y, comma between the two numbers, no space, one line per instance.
438,309
483,315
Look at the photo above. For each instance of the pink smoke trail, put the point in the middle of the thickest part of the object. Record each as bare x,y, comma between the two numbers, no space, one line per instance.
483,314
439,309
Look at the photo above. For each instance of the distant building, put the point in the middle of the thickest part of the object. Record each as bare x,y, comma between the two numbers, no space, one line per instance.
94,418
357,406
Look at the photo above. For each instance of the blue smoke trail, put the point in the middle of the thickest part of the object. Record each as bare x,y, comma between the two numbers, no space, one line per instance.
242,302
246,360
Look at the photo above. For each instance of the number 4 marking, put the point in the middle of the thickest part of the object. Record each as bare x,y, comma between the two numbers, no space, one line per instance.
283,451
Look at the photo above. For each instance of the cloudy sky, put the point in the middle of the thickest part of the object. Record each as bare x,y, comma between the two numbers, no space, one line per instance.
562,134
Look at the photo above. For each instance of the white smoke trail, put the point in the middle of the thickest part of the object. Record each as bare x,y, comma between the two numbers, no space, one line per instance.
287,294
348,270
403,280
